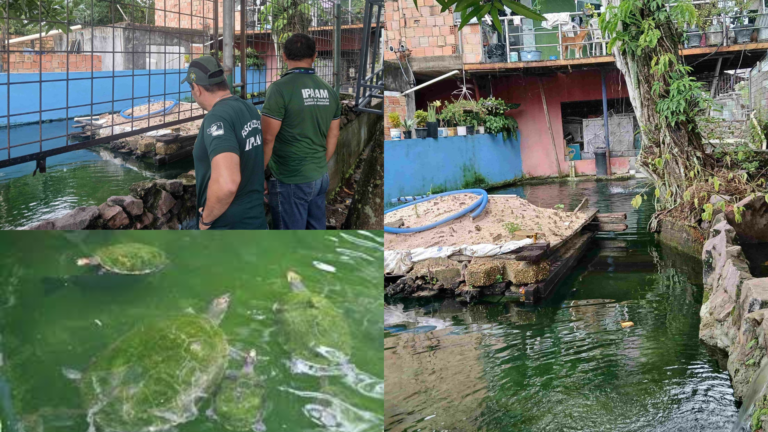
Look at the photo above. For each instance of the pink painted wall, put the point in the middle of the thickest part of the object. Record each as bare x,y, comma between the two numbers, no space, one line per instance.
619,165
536,145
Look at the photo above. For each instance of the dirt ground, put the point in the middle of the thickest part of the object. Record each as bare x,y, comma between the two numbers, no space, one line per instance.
549,224
181,111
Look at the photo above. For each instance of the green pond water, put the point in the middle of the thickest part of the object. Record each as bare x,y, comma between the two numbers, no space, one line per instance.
565,365
56,317
80,178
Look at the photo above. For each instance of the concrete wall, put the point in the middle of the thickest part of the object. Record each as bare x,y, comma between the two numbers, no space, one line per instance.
127,46
355,136
414,166
130,87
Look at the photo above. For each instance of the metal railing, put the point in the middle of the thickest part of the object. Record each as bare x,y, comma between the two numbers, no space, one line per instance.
722,30
114,67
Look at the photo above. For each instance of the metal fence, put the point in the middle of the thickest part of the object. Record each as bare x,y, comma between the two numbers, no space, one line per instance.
89,72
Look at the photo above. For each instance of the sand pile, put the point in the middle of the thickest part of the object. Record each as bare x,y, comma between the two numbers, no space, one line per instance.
502,214
179,112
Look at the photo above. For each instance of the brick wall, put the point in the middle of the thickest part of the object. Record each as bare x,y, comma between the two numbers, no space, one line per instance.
424,30
23,63
472,43
176,13
396,104
42,44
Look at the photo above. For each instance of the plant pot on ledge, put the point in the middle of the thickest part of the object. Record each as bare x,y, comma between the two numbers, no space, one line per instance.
461,131
421,133
471,130
395,134
407,134
481,130
432,129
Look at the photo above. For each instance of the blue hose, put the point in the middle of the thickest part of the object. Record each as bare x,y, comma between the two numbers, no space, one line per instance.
478,206
161,110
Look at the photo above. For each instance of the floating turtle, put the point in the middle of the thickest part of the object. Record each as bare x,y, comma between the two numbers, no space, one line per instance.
239,401
310,322
127,258
155,376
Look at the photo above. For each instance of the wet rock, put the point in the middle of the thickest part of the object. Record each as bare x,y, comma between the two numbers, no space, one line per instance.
427,267
753,227
448,276
140,189
77,219
163,148
113,216
174,187
187,179
177,207
403,287
159,202
498,288
483,273
468,293
146,145
131,205
44,225
144,220
173,223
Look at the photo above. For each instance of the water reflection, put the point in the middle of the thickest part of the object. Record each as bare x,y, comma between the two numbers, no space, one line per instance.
567,364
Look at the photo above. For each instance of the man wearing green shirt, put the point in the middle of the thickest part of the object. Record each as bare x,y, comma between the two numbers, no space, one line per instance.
301,126
228,153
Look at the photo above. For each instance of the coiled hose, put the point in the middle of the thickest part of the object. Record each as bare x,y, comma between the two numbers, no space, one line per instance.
161,110
478,206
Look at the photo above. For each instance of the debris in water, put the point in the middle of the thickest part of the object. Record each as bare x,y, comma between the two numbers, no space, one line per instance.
71,373
98,322
324,267
625,324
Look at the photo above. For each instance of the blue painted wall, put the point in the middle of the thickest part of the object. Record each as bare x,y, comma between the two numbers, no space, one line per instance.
136,86
412,166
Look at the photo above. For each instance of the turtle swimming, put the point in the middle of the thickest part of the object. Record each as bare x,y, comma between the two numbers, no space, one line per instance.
311,322
155,376
127,258
239,401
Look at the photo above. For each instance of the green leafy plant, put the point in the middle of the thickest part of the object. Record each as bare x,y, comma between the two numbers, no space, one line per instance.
394,120
560,206
511,227
492,112
499,279
432,111
253,59
452,114
421,118
480,8
408,124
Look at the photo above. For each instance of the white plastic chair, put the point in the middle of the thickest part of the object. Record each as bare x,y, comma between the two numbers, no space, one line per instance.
597,36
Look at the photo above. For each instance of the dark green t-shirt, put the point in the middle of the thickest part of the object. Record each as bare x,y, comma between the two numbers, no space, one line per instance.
306,105
233,125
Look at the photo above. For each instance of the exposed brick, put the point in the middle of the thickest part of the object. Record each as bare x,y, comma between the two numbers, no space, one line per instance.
423,41
449,50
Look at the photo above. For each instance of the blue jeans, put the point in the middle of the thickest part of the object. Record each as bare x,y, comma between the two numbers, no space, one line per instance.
298,206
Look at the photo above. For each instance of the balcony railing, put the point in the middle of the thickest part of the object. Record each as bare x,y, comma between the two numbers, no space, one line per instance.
575,42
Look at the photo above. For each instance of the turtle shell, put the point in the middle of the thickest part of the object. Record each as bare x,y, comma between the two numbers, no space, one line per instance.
239,402
131,258
154,377
310,321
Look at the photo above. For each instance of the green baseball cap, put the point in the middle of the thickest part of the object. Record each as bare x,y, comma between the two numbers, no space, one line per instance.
205,70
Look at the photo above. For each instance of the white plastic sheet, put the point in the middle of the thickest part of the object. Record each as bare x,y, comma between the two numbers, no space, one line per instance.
401,262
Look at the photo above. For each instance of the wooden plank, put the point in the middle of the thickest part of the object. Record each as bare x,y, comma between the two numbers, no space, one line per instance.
606,227
534,255
590,215
612,244
609,217
584,204
560,267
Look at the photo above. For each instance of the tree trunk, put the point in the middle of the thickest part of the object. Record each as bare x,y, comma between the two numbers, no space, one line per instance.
677,148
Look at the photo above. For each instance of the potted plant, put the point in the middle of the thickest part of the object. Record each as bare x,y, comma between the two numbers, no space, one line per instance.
253,59
432,124
394,121
186,61
589,9
694,36
421,118
451,116
408,125
498,118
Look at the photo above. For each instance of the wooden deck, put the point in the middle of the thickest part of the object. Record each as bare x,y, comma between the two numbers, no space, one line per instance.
580,63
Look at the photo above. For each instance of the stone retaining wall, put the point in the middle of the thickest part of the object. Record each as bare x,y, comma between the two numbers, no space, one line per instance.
157,204
735,306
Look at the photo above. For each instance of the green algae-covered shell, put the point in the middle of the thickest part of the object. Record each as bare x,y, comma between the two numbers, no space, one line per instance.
154,377
239,402
309,321
131,258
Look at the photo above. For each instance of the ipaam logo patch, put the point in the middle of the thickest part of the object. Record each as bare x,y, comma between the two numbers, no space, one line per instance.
216,129
315,96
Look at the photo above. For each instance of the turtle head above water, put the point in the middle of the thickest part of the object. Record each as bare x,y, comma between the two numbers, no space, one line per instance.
219,307
295,280
87,261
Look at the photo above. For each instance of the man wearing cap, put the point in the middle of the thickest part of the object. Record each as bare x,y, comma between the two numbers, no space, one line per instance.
228,153
301,126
